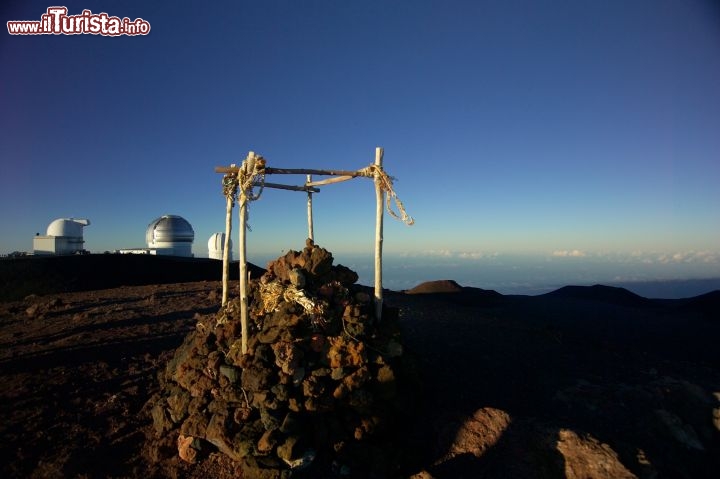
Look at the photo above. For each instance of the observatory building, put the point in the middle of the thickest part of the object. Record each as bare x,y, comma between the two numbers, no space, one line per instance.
170,235
216,246
64,236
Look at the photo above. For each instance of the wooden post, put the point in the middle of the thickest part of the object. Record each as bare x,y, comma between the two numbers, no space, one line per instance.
243,272
247,170
309,209
378,234
226,252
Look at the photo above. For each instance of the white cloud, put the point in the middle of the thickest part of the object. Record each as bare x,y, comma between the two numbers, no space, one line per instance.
444,253
678,257
471,255
689,257
708,257
430,253
576,253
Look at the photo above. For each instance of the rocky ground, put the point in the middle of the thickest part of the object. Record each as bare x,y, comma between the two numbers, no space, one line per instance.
588,382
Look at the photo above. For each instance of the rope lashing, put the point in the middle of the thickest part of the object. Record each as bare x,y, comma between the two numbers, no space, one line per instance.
252,173
230,186
386,185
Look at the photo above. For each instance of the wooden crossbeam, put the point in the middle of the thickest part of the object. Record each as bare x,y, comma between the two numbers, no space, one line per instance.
308,188
294,171
329,181
308,171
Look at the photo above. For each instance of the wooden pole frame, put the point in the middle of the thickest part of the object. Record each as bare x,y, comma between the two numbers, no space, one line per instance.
247,176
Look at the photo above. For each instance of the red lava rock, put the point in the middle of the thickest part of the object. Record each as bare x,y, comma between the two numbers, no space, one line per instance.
588,457
306,386
472,435
185,450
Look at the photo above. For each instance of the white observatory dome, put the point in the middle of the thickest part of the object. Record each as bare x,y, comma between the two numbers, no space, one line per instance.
216,245
64,236
67,227
170,235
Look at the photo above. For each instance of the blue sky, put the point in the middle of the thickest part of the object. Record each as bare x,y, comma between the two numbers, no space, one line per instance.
554,130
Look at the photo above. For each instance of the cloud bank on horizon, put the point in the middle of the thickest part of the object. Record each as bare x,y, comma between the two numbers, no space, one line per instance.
646,257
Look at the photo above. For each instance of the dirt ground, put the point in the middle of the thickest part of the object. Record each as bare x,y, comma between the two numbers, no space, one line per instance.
558,386
77,369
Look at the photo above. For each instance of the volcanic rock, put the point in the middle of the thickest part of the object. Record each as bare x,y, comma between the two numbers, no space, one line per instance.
185,450
472,435
587,457
317,388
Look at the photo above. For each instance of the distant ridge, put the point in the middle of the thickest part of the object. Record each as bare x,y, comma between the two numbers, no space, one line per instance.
438,286
449,291
599,292
671,289
708,304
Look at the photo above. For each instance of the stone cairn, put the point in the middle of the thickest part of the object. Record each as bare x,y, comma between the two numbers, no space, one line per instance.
316,395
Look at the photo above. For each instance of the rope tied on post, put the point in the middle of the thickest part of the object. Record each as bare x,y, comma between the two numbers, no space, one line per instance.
386,184
252,173
230,187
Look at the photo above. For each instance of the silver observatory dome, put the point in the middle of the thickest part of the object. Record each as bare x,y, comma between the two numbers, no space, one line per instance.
170,235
